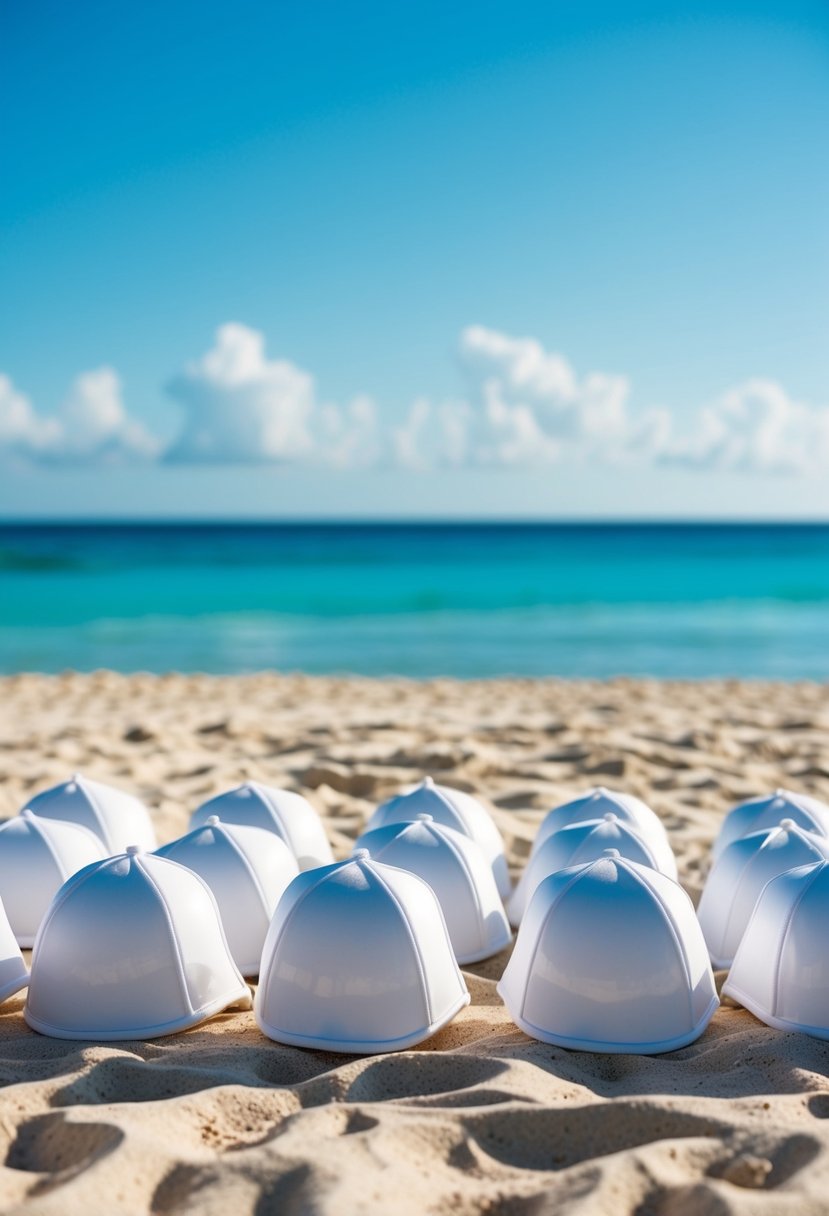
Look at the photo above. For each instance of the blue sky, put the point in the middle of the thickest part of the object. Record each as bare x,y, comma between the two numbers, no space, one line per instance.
480,259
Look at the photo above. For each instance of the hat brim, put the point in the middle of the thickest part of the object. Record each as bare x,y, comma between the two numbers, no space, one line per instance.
241,999
639,1049
360,1047
755,1008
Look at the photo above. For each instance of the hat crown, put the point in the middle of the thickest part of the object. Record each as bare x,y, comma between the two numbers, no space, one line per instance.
357,958
456,869
37,855
247,869
780,970
596,804
609,957
131,946
114,816
766,811
454,809
585,841
284,813
739,874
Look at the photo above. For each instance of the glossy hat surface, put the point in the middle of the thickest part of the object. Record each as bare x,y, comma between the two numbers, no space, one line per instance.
115,817
766,812
610,958
739,875
597,803
131,948
14,974
357,959
456,869
287,814
455,809
582,842
247,869
37,855
781,970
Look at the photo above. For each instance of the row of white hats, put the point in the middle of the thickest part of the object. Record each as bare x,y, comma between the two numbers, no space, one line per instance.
146,943
763,910
614,895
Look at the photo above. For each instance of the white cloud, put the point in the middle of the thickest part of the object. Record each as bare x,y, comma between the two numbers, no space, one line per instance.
755,427
22,431
523,407
242,407
91,425
528,407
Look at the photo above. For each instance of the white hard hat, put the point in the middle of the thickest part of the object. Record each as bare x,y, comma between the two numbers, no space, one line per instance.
455,809
581,842
594,805
247,869
131,948
609,957
13,972
36,858
287,814
457,871
357,959
739,875
767,811
117,819
781,969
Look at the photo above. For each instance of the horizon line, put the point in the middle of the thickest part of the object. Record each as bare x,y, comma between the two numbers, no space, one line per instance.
138,521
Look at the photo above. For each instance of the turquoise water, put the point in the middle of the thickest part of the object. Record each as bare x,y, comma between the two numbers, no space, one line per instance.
420,600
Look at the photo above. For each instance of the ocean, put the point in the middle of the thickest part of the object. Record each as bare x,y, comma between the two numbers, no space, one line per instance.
468,600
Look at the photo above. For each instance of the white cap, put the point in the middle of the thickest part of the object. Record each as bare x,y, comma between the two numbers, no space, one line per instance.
597,803
288,815
609,957
13,972
116,818
131,948
455,868
36,858
739,875
781,969
247,869
357,959
582,842
767,811
454,809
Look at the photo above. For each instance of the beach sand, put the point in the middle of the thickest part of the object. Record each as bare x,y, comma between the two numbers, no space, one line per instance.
480,1119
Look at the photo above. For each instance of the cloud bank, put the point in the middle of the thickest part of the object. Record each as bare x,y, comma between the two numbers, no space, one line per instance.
91,426
520,406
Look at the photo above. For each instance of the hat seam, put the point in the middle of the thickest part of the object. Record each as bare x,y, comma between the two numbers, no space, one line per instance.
722,953
822,857
182,977
265,976
472,883
622,824
263,795
427,998
674,932
63,893
240,853
83,785
786,928
50,848
438,793
542,930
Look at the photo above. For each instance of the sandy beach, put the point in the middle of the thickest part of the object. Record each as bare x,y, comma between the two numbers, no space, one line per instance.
480,1119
